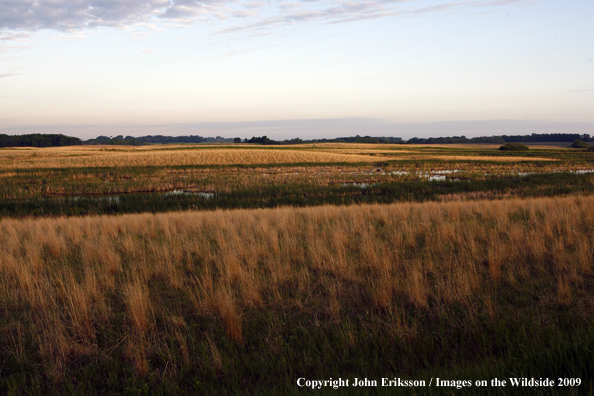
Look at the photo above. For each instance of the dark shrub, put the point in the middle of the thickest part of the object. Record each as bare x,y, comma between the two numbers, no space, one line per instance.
514,147
578,144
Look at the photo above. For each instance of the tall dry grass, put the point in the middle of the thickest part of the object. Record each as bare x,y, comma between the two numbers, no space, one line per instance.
66,283
97,156
68,157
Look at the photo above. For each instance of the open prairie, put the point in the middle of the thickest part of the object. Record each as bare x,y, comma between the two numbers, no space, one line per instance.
179,155
342,197
239,269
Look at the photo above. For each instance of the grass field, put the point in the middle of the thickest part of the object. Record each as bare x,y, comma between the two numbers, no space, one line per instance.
60,158
101,156
96,180
189,297
458,264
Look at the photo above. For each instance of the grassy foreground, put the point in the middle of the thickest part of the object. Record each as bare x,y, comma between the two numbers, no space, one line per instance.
248,301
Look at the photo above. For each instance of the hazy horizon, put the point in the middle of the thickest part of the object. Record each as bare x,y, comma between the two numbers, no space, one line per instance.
316,129
290,69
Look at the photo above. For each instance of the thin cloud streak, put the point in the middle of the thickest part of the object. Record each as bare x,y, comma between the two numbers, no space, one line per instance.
365,11
6,36
20,16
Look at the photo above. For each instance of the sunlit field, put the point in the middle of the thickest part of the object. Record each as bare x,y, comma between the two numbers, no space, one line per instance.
101,157
178,155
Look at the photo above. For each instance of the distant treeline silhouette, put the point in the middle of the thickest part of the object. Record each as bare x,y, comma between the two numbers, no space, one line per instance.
38,140
353,139
534,138
157,139
51,140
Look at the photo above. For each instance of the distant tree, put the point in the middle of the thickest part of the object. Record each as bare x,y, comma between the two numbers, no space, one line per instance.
262,140
237,140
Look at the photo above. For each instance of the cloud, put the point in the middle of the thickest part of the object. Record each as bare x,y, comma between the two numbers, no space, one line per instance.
19,16
502,2
10,36
313,11
7,37
74,14
10,73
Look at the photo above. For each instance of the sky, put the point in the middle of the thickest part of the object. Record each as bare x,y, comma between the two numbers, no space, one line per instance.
286,69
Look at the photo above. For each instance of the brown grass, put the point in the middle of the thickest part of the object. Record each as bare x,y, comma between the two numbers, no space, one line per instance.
176,155
77,157
64,279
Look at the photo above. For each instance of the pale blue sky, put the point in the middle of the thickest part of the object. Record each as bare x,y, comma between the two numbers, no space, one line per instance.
296,68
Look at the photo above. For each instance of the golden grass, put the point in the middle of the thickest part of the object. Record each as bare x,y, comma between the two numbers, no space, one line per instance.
97,157
415,147
178,155
362,150
60,277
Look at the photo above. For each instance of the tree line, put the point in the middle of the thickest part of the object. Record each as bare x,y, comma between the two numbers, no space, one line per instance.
534,138
38,140
156,139
52,140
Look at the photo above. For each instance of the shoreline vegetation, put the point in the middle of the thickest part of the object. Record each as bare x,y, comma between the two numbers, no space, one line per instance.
250,300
